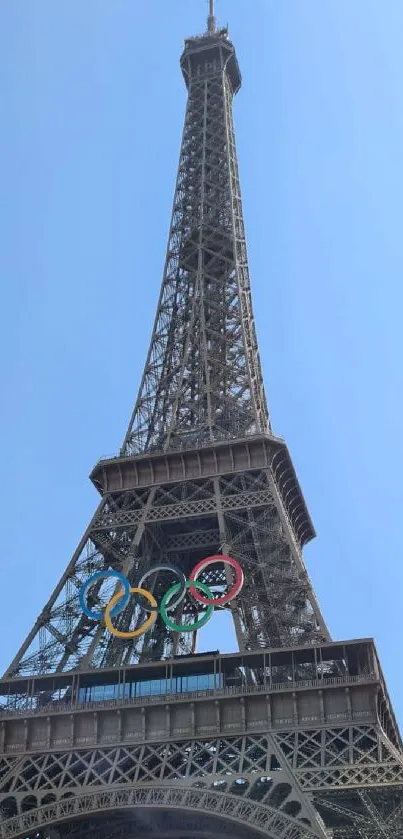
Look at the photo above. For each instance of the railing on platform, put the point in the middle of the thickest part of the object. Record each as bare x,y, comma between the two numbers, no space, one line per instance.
58,707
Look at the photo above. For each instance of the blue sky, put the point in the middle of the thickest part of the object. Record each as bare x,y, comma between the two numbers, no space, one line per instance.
91,110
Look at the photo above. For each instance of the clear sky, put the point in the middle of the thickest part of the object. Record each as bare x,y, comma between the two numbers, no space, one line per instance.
92,103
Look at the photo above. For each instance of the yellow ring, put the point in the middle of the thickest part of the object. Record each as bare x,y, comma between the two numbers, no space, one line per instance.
135,632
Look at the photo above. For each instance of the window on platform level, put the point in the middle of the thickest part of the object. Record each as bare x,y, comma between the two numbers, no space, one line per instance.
151,687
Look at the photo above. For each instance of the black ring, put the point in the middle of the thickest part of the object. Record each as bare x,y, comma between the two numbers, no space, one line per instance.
182,590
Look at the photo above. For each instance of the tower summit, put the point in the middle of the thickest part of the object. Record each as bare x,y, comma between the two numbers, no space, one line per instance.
112,726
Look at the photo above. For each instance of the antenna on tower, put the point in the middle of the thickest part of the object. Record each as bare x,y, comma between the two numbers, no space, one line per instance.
211,21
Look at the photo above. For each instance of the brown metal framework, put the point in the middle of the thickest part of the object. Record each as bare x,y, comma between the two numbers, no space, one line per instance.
200,470
202,379
296,738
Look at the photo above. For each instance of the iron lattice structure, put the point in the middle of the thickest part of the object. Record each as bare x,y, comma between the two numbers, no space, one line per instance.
201,394
296,738
202,380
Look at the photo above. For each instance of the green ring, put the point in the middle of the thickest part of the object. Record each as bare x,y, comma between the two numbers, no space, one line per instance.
177,627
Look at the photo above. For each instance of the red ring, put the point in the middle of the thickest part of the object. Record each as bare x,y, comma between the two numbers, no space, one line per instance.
236,588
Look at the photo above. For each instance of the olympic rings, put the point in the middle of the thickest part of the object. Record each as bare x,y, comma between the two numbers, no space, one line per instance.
171,599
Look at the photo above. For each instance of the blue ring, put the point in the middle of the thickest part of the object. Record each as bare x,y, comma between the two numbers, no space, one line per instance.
98,616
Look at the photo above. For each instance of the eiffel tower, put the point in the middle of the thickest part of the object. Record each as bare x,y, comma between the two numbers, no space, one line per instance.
114,732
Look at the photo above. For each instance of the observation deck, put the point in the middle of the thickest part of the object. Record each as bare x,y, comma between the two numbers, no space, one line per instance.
206,53
209,460
237,728
209,692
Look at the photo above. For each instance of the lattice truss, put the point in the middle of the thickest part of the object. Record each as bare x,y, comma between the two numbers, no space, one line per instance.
202,382
348,780
245,767
158,811
179,523
355,775
202,378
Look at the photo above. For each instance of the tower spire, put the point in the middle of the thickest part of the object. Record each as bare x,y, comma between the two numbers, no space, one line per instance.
211,21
